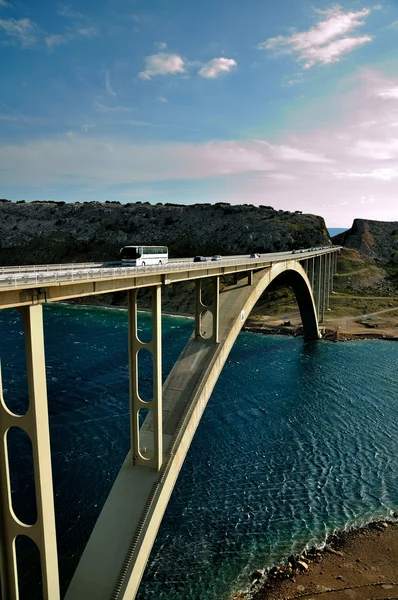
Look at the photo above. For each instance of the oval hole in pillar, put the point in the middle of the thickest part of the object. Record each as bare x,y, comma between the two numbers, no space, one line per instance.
207,292
206,324
146,434
145,367
29,569
144,319
13,362
20,460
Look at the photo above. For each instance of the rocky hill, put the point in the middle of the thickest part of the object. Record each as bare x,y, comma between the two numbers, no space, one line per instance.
374,240
52,232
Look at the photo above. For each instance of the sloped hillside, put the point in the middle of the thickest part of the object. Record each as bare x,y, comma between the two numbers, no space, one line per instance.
375,240
50,232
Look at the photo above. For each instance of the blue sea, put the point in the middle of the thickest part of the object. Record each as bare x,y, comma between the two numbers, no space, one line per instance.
336,230
298,440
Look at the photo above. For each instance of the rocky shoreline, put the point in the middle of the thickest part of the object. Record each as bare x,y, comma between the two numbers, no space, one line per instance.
349,560
330,334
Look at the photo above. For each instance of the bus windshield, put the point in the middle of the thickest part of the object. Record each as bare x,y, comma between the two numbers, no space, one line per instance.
132,252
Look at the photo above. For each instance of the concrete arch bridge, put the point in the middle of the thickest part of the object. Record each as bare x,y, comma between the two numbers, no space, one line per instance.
116,554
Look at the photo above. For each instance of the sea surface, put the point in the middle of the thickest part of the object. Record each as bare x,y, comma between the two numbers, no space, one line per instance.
298,440
336,230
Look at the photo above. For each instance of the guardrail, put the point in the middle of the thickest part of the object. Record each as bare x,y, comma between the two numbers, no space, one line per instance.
70,266
77,272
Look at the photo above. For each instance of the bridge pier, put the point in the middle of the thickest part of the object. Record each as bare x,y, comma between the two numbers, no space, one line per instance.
35,424
152,454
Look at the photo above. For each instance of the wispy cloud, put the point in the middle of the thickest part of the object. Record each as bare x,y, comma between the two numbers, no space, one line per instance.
216,67
162,99
108,84
383,174
161,45
4,3
104,108
23,31
326,42
66,11
389,94
12,118
58,39
162,64
55,39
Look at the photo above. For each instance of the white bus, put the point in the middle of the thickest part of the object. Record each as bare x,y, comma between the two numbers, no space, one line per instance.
137,256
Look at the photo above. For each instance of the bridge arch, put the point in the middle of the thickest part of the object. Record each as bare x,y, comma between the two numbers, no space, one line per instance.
296,277
123,537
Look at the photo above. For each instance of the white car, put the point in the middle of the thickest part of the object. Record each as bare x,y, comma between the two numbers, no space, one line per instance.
216,257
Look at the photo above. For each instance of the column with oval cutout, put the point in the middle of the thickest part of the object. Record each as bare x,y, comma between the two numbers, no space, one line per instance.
150,457
35,424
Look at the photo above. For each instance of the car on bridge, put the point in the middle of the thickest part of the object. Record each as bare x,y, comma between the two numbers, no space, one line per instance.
255,255
200,259
216,257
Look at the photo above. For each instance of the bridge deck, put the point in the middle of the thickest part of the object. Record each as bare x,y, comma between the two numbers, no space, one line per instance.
45,285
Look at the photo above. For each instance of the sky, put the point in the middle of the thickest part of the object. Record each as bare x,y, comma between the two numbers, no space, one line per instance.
289,104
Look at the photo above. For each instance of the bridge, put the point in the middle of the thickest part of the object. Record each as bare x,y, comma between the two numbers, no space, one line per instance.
116,554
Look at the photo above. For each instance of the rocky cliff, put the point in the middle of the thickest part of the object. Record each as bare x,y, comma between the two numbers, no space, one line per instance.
52,232
374,240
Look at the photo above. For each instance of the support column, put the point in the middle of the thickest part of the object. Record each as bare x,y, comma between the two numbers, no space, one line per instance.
328,279
140,455
310,273
323,293
213,308
318,280
250,278
35,424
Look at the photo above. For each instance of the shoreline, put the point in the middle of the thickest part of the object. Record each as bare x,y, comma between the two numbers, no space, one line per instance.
328,333
350,564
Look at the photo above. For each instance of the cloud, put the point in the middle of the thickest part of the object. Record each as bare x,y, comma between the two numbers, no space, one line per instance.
11,118
58,39
161,45
162,99
55,40
104,108
325,42
86,127
162,64
216,67
23,31
386,174
108,84
389,94
286,153
66,11
4,3
376,149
